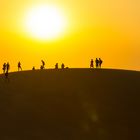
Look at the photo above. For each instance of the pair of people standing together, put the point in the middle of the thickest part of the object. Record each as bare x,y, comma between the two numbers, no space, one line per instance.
98,63
6,67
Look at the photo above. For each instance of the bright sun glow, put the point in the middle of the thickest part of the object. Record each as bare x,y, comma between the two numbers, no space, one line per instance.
45,22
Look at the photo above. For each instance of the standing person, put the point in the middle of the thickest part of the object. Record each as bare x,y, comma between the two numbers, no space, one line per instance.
4,68
56,66
43,64
91,63
7,71
62,66
19,66
7,67
100,62
97,62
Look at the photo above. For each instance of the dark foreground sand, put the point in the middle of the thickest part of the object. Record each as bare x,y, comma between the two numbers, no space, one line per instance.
72,104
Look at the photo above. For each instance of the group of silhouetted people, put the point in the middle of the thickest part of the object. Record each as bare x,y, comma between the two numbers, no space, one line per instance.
62,66
56,66
98,63
6,68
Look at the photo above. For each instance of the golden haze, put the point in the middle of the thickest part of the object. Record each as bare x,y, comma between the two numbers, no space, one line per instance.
96,28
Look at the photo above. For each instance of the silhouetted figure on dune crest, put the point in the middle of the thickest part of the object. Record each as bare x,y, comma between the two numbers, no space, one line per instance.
43,65
7,71
100,62
91,63
56,66
33,68
19,66
62,66
97,62
7,67
4,68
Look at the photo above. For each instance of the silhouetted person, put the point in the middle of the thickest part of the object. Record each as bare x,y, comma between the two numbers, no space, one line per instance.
97,62
41,67
62,66
33,68
19,66
7,67
100,62
7,71
43,64
56,66
91,64
4,68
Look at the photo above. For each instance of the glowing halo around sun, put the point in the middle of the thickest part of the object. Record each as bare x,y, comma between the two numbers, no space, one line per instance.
45,22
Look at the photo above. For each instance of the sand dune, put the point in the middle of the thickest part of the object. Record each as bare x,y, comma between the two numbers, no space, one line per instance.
70,104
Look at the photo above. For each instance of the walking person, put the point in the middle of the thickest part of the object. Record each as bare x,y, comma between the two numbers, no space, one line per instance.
7,71
19,66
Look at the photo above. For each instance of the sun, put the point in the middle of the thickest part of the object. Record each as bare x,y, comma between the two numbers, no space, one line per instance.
45,22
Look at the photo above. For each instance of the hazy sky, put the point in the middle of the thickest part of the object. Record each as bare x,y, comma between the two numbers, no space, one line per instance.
109,29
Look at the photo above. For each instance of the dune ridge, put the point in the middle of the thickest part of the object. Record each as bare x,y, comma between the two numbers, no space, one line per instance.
70,104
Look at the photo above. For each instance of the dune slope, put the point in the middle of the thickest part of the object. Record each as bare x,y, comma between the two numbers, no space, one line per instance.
70,104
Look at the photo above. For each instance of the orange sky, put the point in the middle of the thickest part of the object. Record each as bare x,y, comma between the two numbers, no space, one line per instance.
109,29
